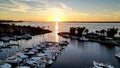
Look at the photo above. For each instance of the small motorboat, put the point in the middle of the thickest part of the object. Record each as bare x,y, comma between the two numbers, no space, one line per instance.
29,48
50,62
62,43
43,59
4,45
5,65
37,59
83,38
40,54
118,55
34,50
38,48
5,39
27,36
101,65
50,56
29,53
13,59
43,46
22,67
21,55
74,37
34,61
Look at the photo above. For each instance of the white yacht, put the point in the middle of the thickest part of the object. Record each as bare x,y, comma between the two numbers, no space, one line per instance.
101,65
13,59
21,55
22,67
118,55
83,38
5,65
5,39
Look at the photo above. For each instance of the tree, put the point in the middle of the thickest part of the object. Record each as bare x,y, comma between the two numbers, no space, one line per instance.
119,34
98,32
10,31
80,31
1,31
102,32
111,32
72,31
86,31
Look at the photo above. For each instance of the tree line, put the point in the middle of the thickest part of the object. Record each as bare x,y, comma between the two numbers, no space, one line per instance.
79,31
11,30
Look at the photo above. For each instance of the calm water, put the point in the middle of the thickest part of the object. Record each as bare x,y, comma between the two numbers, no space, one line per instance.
77,54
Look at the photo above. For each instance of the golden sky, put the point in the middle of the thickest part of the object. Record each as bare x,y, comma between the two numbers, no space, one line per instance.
64,10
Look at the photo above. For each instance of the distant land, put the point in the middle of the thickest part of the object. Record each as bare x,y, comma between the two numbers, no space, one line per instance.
9,21
91,22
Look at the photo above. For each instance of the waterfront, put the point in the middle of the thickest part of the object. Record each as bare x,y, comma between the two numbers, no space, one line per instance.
77,54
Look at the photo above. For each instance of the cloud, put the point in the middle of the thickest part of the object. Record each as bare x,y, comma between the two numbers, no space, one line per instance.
105,15
32,5
14,6
25,0
42,8
65,6
117,15
21,5
43,1
53,8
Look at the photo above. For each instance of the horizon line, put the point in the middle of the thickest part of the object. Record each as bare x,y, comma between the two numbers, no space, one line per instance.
66,21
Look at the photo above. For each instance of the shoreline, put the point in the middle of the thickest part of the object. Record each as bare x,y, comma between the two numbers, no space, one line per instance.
16,32
67,35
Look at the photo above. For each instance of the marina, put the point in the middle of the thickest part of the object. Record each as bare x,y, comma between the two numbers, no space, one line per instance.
59,33
76,51
32,57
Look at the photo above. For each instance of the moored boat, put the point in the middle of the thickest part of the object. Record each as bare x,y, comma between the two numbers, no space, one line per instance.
83,38
5,65
30,53
21,55
35,62
118,55
13,60
27,36
22,67
38,48
5,39
74,37
62,43
101,65
50,62
4,45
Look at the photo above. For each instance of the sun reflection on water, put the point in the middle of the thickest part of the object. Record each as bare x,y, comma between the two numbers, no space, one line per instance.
56,32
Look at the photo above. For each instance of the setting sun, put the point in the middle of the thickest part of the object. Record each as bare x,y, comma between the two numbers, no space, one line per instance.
56,19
